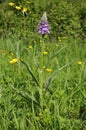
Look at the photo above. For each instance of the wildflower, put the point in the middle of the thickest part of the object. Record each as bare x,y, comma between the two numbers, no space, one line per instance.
11,4
43,26
24,10
49,70
30,47
79,62
14,61
45,52
17,7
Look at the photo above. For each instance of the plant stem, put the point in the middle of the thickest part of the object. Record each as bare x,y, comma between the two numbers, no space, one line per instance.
41,74
18,55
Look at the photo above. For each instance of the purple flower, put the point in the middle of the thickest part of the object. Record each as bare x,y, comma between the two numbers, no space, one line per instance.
43,26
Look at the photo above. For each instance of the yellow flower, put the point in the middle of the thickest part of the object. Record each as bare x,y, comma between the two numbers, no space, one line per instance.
18,7
14,61
45,52
25,10
30,47
11,4
79,62
49,70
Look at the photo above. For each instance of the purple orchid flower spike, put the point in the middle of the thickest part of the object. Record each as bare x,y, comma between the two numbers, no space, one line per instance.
43,26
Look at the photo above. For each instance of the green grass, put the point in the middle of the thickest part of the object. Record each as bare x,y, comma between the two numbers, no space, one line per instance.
57,102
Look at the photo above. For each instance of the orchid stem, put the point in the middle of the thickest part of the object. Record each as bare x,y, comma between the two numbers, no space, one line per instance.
41,74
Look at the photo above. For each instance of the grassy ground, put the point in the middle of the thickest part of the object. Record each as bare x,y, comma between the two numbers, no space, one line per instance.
45,88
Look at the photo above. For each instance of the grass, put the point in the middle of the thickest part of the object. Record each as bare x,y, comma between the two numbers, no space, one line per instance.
54,100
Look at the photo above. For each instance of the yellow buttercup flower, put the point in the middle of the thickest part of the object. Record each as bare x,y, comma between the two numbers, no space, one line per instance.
11,4
25,10
45,52
14,61
79,62
30,47
49,70
18,7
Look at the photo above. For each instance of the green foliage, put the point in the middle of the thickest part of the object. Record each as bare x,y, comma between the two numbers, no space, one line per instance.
63,90
65,18
83,20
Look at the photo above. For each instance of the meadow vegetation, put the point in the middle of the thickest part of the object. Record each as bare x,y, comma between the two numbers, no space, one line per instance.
42,79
